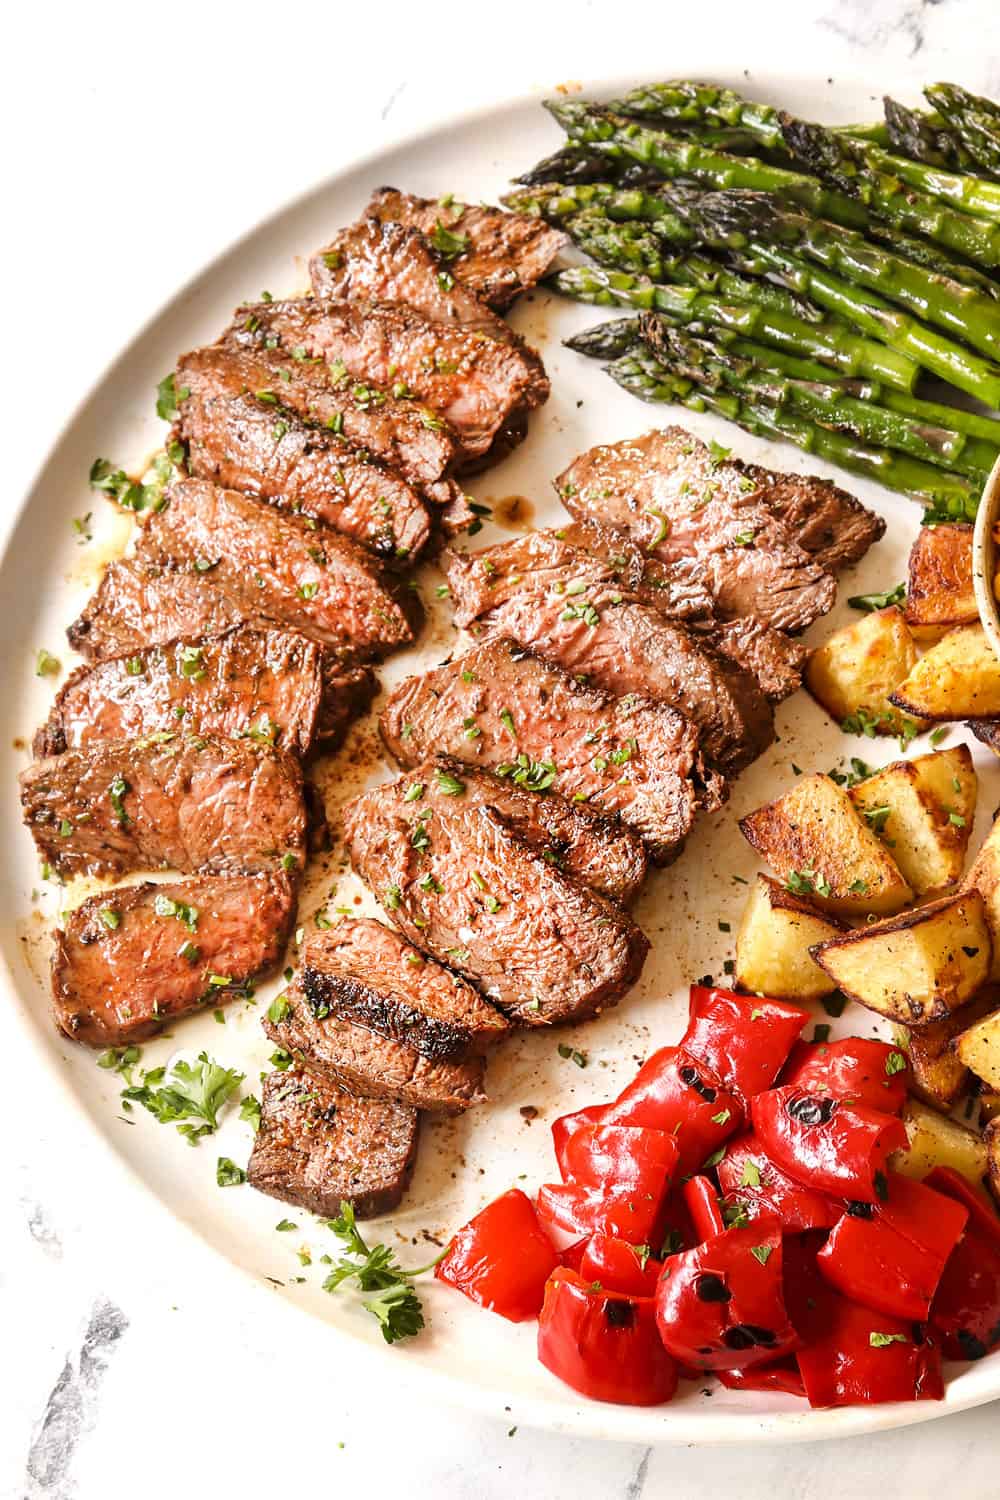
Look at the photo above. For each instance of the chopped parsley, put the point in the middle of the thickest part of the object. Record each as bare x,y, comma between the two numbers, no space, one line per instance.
872,602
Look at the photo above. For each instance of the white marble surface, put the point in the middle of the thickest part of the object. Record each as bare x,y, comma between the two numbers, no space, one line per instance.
131,159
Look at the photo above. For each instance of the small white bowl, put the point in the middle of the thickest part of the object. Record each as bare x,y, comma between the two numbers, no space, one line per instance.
984,558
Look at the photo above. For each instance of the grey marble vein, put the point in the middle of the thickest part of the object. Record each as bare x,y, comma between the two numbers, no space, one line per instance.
637,1482
43,1231
865,25
390,102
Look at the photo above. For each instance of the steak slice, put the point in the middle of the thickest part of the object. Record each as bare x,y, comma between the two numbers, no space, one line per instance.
318,1146
775,660
625,647
495,253
312,578
352,1057
129,961
824,520
365,972
264,684
600,852
635,759
172,801
463,888
481,387
242,434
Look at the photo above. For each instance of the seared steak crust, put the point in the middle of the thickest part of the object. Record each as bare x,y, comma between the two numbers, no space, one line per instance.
172,801
630,758
317,1146
463,888
125,964
243,435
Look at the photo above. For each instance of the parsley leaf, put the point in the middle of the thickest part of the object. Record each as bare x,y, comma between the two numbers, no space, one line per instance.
394,1304
872,602
194,1091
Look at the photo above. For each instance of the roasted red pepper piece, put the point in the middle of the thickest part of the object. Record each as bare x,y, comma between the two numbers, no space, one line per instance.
567,1126
748,1177
870,1072
721,1306
782,1376
501,1258
827,1143
603,1344
965,1314
619,1266
675,1093
743,1039
890,1255
850,1355
703,1205
620,1177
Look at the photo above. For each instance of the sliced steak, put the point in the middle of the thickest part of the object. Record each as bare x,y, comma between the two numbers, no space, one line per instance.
312,578
824,520
597,634
463,888
601,852
265,684
481,387
318,1146
128,961
171,801
242,434
987,731
632,758
362,1061
365,972
775,660
495,253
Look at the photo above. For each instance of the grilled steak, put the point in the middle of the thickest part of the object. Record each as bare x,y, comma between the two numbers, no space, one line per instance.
130,960
172,800
632,758
601,852
310,577
775,660
987,731
241,434
818,515
317,1146
678,502
495,253
265,684
481,387
463,888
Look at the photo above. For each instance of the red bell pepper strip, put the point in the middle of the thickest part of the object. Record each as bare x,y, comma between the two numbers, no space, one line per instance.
749,1179
721,1306
567,1126
870,1072
891,1255
702,1201
673,1092
619,1266
620,1177
743,1039
830,1144
501,1258
851,1356
782,1376
603,1344
572,1255
965,1314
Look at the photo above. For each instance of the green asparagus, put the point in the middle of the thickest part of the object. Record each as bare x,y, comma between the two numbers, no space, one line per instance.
975,120
924,136
606,340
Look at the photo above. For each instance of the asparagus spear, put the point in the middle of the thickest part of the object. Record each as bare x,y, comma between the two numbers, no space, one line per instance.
975,120
577,164
606,340
924,136
828,343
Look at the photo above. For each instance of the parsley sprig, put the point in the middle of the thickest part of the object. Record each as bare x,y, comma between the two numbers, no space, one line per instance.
193,1091
375,1269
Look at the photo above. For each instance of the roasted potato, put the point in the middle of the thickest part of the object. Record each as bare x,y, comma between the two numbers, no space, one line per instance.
819,846
984,876
991,1139
937,1141
978,1049
939,1074
772,945
989,1105
917,967
853,673
958,678
939,592
923,811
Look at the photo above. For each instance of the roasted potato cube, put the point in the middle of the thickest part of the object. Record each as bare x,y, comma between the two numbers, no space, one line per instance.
817,843
991,1139
958,678
772,945
923,811
853,673
939,593
916,967
939,1074
937,1141
978,1049
984,876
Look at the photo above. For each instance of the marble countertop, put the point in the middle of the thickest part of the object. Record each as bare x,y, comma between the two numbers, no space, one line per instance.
126,1371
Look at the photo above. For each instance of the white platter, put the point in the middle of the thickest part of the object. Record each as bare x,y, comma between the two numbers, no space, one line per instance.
466,1357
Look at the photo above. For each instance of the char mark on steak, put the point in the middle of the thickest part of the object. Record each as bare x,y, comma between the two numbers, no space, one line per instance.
497,254
241,433
624,757
169,801
306,575
463,888
318,1146
484,389
131,960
